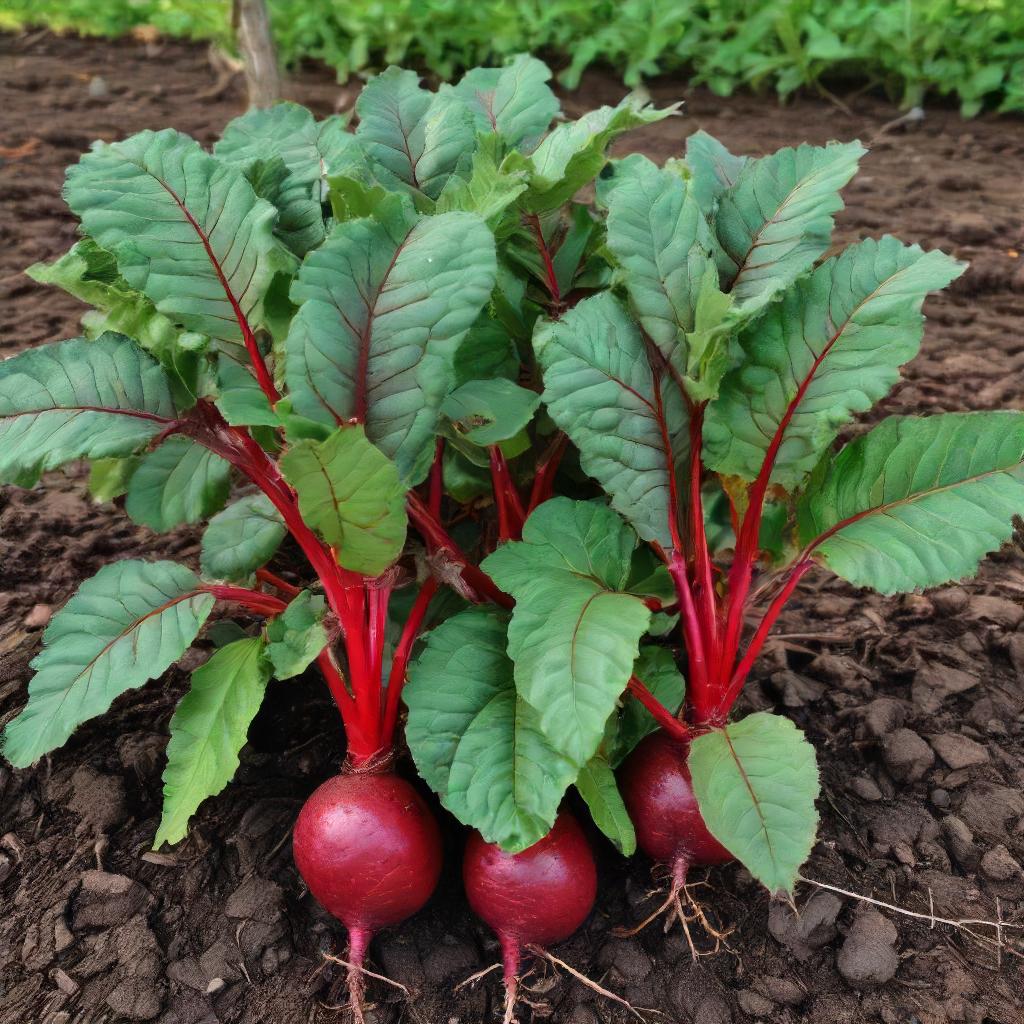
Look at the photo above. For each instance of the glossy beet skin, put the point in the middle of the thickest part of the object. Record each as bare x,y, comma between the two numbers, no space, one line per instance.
369,850
656,788
540,896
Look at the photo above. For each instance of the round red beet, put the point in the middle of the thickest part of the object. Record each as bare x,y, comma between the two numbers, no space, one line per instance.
369,850
540,896
656,788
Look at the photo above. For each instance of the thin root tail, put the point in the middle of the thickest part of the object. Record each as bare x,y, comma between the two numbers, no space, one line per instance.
510,958
358,940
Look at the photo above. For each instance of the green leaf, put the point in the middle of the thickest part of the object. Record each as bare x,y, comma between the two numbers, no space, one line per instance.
350,493
917,502
485,351
596,784
713,169
90,274
108,478
179,482
776,220
297,635
830,349
599,388
574,634
411,136
489,191
309,152
241,400
477,744
574,153
515,101
241,539
208,729
351,197
383,307
756,782
123,627
657,670
187,230
658,235
489,411
78,399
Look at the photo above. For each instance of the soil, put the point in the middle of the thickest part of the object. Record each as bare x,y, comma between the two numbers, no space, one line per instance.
914,704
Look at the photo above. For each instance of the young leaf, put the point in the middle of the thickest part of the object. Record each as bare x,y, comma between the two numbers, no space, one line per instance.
477,744
658,235
831,348
756,782
78,399
123,627
309,150
574,153
349,491
208,729
489,191
596,784
108,478
90,274
489,411
776,220
631,431
383,306
485,351
241,539
296,636
241,400
414,137
179,482
574,634
657,669
515,101
713,169
187,230
917,502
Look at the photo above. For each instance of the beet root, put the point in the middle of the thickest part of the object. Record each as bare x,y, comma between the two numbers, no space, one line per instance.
658,793
534,898
370,851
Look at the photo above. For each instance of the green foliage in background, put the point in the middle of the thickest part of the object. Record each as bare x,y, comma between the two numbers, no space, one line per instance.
970,49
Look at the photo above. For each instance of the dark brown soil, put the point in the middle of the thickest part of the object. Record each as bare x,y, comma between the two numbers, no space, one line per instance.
915,705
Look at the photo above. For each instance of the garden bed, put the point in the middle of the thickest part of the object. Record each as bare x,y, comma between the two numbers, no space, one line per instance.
918,701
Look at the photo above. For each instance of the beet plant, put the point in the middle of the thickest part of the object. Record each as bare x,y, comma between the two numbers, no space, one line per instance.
703,385
311,333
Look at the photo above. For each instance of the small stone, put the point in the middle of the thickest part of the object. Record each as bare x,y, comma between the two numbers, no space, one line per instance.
906,755
883,716
868,955
960,842
98,800
106,899
999,610
781,990
215,986
64,981
754,1003
256,899
987,807
61,1017
940,798
866,788
38,616
98,88
959,751
998,864
934,683
950,600
969,228
813,927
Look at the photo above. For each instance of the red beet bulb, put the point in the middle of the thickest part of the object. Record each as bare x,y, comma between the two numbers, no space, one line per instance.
370,851
534,898
656,787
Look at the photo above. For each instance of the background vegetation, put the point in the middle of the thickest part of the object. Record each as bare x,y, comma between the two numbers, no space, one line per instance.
972,50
